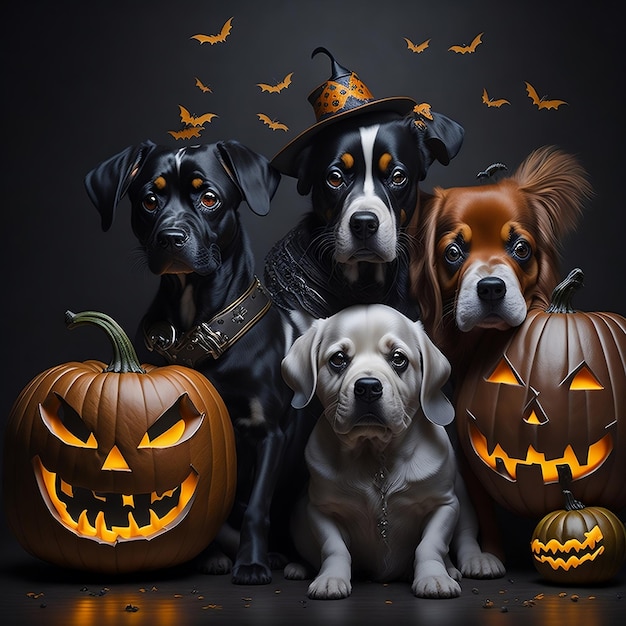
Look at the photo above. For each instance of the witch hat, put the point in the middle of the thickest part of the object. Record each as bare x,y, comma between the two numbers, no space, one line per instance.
343,95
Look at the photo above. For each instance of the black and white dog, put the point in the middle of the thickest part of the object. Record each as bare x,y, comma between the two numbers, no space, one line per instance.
363,175
211,311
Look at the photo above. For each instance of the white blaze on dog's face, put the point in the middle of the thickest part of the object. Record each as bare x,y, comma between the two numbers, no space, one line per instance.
372,369
364,181
486,257
364,202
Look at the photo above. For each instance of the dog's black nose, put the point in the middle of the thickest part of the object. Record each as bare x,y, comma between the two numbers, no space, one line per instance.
491,288
363,224
172,237
368,389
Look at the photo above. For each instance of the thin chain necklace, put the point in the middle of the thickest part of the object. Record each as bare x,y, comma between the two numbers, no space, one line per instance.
380,482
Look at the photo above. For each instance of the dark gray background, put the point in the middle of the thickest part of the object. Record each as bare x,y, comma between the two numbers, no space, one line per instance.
83,80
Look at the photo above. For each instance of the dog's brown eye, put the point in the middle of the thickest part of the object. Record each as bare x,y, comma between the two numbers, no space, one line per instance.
335,178
150,202
399,361
398,177
453,253
338,361
210,200
522,250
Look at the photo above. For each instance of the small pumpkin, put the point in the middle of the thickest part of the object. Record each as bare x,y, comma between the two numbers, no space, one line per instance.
578,545
118,468
551,392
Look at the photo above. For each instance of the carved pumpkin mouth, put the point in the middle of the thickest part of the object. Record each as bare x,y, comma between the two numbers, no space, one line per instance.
499,461
570,554
109,518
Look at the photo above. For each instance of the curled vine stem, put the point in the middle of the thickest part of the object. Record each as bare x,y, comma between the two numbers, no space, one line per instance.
125,358
561,300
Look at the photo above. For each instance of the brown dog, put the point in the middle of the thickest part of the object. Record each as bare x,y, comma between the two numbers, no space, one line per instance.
486,254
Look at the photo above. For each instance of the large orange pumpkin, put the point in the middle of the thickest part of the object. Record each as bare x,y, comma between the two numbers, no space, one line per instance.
551,393
121,468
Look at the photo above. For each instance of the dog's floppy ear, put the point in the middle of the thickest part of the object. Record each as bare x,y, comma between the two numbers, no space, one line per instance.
305,172
251,172
299,367
440,140
107,183
435,373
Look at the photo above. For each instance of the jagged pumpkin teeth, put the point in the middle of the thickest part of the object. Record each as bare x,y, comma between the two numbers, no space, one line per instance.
549,393
83,491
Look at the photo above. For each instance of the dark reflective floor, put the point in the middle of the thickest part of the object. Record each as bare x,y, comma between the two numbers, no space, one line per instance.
33,592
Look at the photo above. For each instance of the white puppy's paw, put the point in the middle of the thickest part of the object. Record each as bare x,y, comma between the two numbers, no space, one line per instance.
296,571
454,573
329,588
440,586
482,565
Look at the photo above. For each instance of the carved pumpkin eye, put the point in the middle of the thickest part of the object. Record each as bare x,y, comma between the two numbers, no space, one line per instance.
177,424
65,423
505,374
582,379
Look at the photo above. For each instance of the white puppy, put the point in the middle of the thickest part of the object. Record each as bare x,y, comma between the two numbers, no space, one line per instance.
383,498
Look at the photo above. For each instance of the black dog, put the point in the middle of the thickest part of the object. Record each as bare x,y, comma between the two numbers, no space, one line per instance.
210,311
363,175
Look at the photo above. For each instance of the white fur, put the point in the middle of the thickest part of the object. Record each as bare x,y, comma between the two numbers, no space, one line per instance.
471,311
336,526
382,245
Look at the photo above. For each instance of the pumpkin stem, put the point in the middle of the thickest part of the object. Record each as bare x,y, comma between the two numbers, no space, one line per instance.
561,301
565,478
125,358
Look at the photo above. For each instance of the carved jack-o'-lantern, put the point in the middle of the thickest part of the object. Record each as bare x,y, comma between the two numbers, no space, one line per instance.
119,468
551,393
578,545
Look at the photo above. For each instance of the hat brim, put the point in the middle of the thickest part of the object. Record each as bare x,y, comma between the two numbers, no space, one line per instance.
285,159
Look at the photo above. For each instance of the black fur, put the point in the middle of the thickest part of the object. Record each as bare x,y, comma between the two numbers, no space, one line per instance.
301,270
184,215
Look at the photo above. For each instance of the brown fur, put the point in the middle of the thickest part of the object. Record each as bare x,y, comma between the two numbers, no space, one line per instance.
542,200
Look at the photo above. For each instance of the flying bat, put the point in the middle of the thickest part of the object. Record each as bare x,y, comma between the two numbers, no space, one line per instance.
202,87
540,102
273,124
417,48
490,102
192,120
219,38
186,133
283,84
468,49
490,170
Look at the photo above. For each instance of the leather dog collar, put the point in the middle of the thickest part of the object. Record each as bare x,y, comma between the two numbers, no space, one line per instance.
210,338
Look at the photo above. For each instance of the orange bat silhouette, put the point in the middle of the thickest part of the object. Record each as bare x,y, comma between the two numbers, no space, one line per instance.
273,124
417,48
540,102
192,120
201,86
423,109
219,38
490,102
186,133
468,49
283,84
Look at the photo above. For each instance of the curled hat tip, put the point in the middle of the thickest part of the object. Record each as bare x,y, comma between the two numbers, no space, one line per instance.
336,69
323,50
